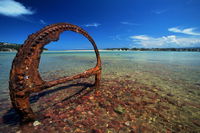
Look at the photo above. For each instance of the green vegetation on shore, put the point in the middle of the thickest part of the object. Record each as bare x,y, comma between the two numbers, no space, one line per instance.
14,47
156,49
10,46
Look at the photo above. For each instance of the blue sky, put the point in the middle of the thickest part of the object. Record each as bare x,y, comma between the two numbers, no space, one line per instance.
112,23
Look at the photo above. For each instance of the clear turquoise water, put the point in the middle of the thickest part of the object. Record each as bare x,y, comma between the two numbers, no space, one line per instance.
172,66
177,73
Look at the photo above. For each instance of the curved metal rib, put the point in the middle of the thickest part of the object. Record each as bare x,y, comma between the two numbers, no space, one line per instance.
24,75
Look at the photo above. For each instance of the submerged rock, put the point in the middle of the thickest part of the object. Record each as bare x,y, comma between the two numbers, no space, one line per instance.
119,110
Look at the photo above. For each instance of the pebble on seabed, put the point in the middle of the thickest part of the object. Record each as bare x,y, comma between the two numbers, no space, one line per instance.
36,123
18,131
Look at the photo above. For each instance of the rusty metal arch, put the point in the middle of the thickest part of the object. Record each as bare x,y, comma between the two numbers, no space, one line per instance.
24,75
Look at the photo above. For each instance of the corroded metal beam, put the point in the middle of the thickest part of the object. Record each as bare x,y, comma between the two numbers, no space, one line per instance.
25,78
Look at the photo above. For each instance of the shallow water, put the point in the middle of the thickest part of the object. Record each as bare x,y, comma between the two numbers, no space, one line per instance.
176,74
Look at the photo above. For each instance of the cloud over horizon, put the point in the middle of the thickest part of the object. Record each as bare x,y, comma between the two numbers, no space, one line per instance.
128,23
159,11
188,31
165,41
92,25
13,8
42,22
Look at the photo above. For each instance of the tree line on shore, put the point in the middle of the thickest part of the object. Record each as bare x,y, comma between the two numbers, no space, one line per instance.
14,47
155,49
10,46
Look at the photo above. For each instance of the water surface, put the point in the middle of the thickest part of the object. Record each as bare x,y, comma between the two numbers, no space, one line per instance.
172,75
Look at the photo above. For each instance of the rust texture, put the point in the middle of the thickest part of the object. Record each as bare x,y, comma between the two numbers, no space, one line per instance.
25,78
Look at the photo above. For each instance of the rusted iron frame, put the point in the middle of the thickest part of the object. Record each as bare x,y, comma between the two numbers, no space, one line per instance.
24,75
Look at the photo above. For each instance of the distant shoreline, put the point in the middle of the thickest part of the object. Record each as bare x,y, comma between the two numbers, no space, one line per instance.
195,49
101,50
74,50
12,47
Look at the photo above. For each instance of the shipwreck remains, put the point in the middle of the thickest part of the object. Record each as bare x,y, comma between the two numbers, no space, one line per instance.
25,78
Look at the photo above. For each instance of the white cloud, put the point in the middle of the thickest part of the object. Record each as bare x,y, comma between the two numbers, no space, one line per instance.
92,25
116,37
42,21
13,8
159,11
128,23
189,31
140,37
165,41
